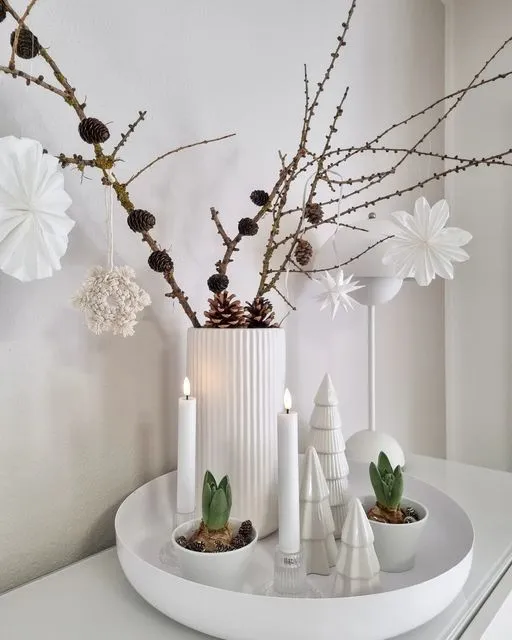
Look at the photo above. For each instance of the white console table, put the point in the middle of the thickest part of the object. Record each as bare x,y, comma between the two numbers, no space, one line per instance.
92,600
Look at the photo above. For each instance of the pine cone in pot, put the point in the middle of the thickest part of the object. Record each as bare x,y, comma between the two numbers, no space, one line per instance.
388,485
225,312
28,45
260,313
303,252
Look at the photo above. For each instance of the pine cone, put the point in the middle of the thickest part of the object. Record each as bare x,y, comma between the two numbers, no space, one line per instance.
303,252
313,213
259,197
247,227
259,315
409,520
238,542
3,12
160,261
245,530
28,45
93,131
182,541
225,312
411,512
140,220
196,545
218,282
220,547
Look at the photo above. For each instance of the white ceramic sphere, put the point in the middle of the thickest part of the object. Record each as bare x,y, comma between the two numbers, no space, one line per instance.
365,446
377,290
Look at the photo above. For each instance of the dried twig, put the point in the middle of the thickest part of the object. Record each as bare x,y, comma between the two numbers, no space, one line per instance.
15,73
177,150
283,297
125,136
21,23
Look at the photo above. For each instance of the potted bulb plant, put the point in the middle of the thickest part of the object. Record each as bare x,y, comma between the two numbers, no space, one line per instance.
215,550
397,522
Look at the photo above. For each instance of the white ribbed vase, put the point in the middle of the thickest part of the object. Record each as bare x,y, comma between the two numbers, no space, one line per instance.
238,378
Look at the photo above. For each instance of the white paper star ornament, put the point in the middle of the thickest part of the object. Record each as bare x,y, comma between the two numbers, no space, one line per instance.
337,292
422,247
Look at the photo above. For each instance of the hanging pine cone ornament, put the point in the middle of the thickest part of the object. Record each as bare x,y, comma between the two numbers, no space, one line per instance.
160,261
93,131
303,252
140,220
28,45
260,315
247,227
259,197
3,12
218,282
225,312
313,213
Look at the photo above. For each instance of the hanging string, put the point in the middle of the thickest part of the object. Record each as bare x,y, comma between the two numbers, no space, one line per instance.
109,208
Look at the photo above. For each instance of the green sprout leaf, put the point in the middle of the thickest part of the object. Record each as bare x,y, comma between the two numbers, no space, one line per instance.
207,498
219,511
378,485
383,464
398,489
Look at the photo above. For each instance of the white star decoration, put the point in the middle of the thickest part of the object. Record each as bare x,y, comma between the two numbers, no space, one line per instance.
337,292
422,247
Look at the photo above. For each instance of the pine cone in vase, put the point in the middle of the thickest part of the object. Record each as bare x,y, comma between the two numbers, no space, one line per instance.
28,45
260,313
225,312
160,261
313,213
140,220
3,12
247,227
93,131
218,282
303,252
259,197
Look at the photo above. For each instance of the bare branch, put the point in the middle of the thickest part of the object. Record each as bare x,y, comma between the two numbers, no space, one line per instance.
15,73
21,23
125,136
172,151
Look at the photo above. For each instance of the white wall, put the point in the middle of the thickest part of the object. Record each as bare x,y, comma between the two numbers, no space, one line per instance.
478,302
85,419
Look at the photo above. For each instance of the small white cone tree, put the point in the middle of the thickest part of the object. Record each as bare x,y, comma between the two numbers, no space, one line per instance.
357,565
327,438
316,521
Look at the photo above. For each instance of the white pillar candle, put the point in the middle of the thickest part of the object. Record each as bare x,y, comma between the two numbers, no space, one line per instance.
186,485
288,478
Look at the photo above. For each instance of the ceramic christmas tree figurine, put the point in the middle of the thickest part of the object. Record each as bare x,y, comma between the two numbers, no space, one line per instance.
316,521
357,565
326,436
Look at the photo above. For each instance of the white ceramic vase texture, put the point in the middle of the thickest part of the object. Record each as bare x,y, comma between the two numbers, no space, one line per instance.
397,544
224,570
326,436
238,378
316,521
357,559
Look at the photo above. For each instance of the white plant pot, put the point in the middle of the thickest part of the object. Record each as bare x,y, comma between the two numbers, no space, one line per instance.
396,545
238,378
224,570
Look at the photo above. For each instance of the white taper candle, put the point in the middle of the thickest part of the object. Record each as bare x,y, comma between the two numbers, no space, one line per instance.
186,481
288,478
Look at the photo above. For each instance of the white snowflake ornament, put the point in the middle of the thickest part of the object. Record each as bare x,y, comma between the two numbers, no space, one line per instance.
337,292
34,226
111,300
422,246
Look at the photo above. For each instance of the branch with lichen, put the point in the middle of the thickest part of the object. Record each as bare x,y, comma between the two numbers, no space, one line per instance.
126,136
102,160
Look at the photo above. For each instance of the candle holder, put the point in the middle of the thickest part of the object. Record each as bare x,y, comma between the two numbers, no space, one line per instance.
290,579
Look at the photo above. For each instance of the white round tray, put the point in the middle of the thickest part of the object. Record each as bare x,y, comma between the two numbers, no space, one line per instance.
405,601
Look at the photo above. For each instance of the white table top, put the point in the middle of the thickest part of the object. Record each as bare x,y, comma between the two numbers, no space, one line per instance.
92,600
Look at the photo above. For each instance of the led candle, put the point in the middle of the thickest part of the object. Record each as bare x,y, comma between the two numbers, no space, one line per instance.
186,486
288,478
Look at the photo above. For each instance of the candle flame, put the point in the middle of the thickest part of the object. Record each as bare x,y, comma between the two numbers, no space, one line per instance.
287,400
186,387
